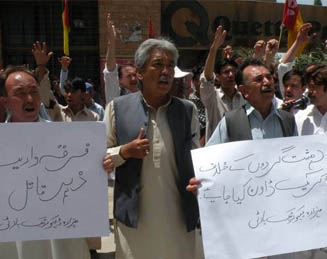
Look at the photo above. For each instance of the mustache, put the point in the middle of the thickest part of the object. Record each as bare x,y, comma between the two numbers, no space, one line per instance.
165,78
267,88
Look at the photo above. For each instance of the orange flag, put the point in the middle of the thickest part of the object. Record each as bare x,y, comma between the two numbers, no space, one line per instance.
66,28
292,19
150,29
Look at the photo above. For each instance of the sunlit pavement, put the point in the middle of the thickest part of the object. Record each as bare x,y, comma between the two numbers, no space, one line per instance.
108,244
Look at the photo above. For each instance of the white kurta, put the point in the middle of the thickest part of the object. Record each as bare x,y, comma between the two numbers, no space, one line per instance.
161,231
311,122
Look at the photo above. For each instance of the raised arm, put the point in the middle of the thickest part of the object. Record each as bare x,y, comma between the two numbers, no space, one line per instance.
286,62
110,72
302,37
111,47
211,59
270,52
42,57
259,49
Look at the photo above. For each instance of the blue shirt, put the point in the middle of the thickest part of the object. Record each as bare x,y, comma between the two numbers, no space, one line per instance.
97,108
269,127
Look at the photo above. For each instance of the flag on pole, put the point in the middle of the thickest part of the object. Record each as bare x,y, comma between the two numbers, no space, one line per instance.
150,29
292,19
66,28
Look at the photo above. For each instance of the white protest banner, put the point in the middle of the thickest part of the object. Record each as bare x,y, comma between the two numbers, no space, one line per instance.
52,181
263,197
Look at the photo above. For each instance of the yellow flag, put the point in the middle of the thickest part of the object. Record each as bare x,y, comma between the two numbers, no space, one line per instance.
66,28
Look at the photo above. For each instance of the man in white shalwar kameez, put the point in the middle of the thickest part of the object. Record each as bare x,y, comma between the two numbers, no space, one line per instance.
149,135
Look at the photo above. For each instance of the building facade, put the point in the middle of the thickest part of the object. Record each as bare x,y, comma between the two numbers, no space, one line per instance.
190,24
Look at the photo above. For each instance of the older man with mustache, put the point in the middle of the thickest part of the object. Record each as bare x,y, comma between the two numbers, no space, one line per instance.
20,95
258,119
150,135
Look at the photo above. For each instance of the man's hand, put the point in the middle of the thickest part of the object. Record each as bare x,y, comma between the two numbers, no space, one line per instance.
303,34
111,30
138,148
111,48
211,58
65,62
271,47
108,164
219,38
259,49
270,52
284,105
193,186
41,54
301,37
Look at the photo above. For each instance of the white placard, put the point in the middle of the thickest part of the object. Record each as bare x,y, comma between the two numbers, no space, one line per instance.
263,197
52,181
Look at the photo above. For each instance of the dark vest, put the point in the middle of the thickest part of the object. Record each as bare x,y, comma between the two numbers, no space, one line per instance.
132,114
238,125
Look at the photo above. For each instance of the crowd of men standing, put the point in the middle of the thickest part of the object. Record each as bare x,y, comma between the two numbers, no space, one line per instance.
150,131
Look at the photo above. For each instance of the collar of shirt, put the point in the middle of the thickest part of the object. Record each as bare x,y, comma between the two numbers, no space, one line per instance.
251,110
222,94
162,106
91,105
313,111
84,110
8,119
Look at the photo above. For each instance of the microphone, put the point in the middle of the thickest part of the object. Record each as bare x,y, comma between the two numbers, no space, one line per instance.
301,104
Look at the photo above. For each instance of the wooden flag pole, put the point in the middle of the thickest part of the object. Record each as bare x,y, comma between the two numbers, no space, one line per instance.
280,35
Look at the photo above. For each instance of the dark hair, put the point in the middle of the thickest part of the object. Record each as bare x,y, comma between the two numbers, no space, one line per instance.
121,67
319,75
55,78
310,69
223,63
248,62
197,70
291,73
9,70
76,84
68,85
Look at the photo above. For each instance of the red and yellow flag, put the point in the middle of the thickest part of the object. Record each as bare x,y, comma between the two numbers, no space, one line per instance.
66,28
292,19
150,29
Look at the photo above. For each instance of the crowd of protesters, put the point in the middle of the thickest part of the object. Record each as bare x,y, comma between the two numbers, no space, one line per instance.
155,114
